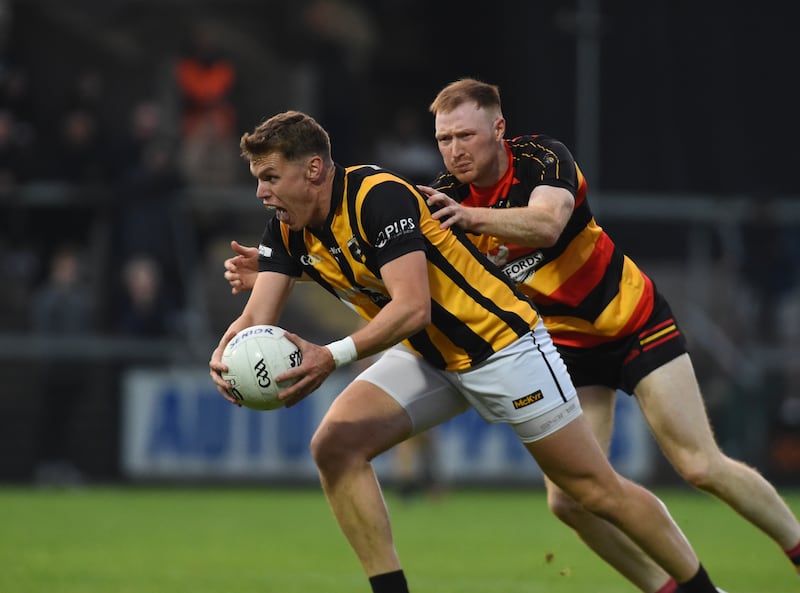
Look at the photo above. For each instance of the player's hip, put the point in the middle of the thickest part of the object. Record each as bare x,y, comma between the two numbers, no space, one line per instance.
521,382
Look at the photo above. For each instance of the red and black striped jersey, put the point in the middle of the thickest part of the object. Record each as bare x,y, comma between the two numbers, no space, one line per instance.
376,217
587,291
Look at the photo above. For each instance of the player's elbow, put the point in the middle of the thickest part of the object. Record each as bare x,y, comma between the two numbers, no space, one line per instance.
419,318
549,235
416,318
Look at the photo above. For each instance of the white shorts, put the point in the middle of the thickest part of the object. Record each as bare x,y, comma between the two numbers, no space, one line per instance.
525,385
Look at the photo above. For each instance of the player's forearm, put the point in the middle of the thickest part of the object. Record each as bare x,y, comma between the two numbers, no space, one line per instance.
393,324
523,226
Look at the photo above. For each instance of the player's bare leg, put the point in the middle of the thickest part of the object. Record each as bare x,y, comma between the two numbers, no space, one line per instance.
671,402
606,540
361,423
573,459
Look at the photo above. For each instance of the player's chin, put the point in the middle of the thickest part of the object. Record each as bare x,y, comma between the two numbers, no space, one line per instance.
464,174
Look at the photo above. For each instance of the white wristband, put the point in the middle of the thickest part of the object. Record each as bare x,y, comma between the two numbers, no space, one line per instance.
343,351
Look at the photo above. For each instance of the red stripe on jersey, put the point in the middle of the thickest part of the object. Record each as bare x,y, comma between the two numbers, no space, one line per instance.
639,315
575,288
576,339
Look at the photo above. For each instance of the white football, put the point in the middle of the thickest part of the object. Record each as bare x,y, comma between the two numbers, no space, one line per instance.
255,356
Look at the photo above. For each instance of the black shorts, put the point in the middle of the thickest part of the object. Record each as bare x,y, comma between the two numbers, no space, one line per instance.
621,364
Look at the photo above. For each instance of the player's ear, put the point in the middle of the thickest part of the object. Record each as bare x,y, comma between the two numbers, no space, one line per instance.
314,168
500,127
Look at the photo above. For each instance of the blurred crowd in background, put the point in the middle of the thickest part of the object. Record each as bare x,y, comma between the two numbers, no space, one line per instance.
121,181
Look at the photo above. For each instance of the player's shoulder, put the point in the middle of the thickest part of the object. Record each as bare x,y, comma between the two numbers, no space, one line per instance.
535,142
364,171
539,150
447,183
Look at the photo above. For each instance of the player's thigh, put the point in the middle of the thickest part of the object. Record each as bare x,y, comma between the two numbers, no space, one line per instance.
362,420
573,460
597,402
426,396
673,407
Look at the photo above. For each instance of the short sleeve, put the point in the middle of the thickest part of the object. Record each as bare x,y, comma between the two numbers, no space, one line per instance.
272,253
390,216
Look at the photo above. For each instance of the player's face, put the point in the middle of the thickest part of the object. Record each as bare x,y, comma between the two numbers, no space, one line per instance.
470,140
284,186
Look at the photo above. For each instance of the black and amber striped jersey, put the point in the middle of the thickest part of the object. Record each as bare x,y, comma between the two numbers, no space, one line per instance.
377,217
587,291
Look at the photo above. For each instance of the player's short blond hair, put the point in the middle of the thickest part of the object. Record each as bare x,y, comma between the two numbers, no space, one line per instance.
466,90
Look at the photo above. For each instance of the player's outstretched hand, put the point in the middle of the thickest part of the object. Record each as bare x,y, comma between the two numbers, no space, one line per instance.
241,270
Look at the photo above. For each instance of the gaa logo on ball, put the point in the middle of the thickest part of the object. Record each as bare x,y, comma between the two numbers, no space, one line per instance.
255,356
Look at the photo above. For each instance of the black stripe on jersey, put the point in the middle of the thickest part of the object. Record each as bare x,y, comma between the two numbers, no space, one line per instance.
474,345
597,299
354,183
494,270
297,248
421,342
577,222
460,334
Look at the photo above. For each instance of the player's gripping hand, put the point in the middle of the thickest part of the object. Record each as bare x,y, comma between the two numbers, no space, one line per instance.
317,366
241,270
217,367
446,210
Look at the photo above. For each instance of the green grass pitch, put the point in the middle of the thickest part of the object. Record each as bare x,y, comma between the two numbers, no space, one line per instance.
268,540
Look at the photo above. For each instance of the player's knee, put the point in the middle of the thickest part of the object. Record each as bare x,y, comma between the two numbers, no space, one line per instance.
601,503
697,470
329,447
337,446
565,508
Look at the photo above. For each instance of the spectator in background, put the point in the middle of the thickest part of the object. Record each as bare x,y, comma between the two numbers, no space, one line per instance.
61,308
17,121
84,158
146,127
145,214
339,38
16,95
145,309
206,79
88,92
16,153
209,157
769,265
407,150
81,150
